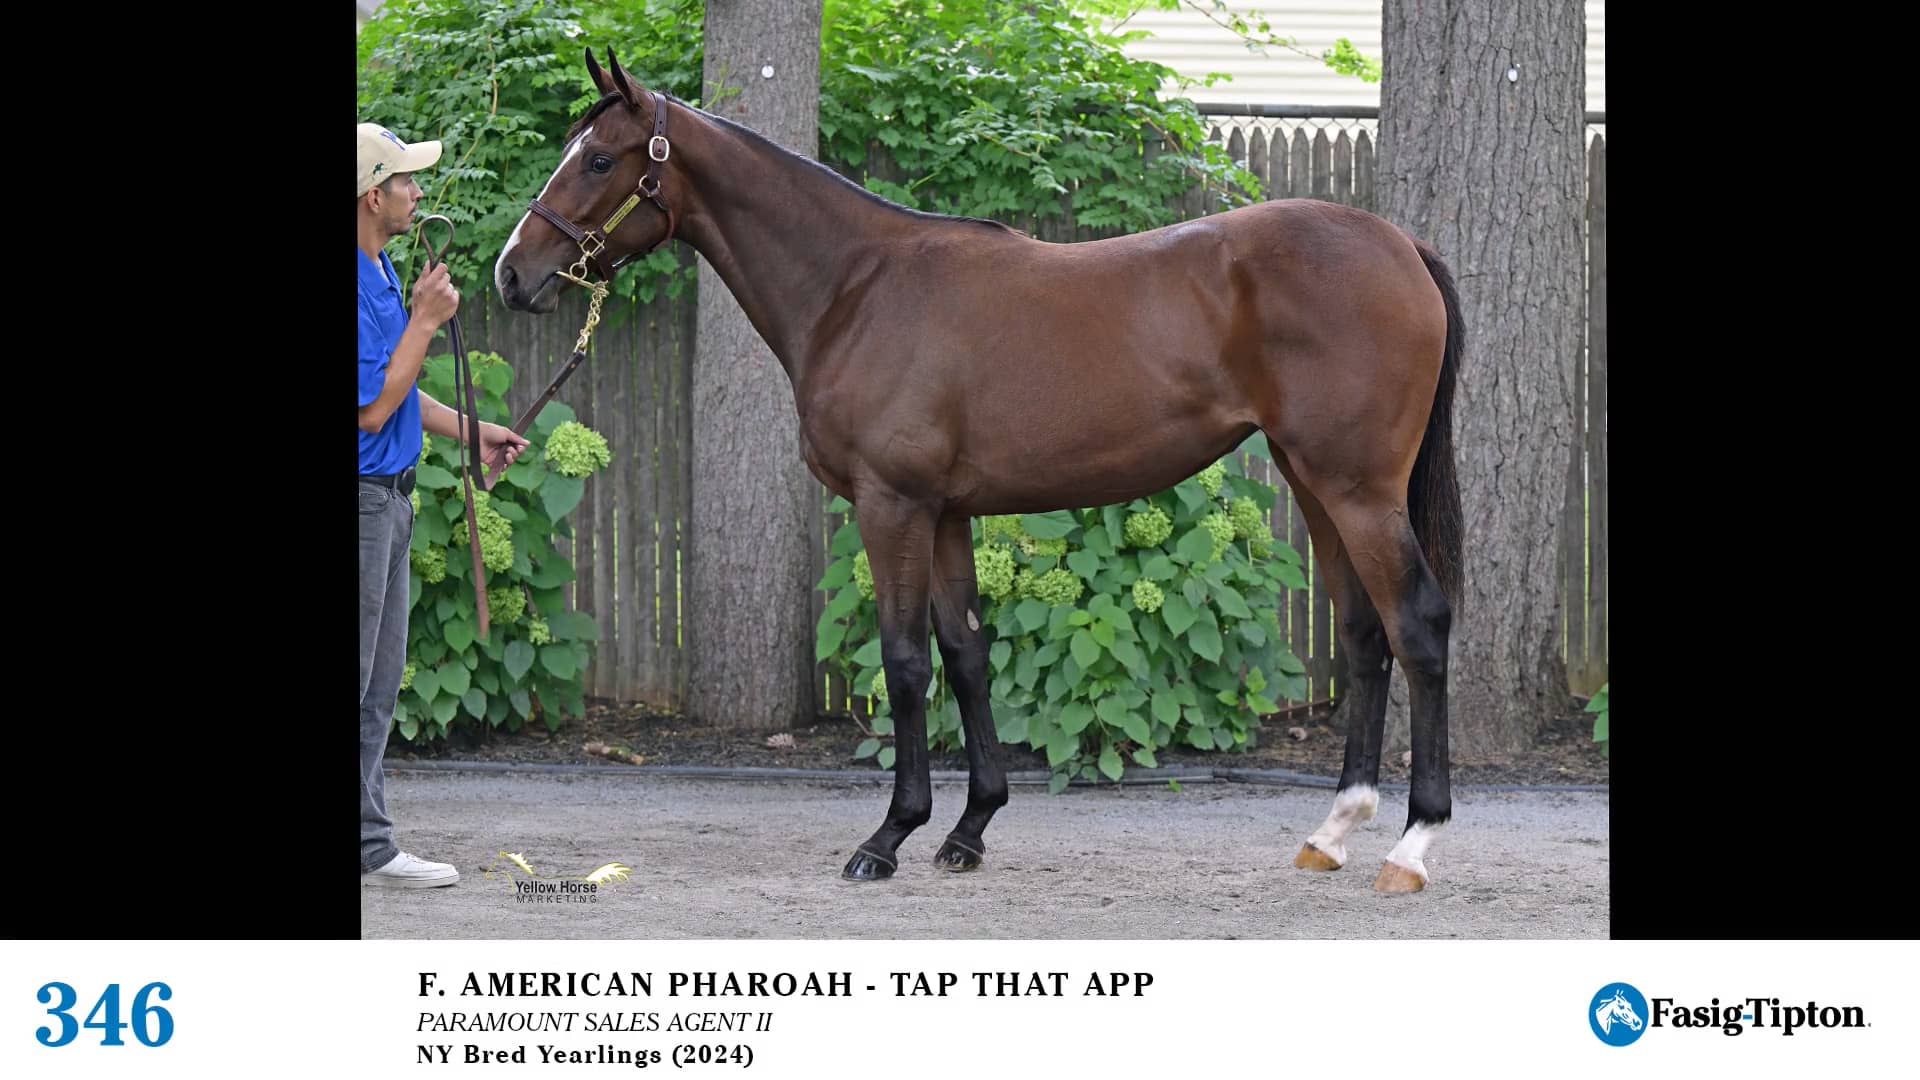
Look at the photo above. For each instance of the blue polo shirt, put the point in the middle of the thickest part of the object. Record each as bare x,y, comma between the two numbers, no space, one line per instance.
383,316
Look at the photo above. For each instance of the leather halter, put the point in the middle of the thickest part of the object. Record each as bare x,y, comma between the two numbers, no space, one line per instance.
594,241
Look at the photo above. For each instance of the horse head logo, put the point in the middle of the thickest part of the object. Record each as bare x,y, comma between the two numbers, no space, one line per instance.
1617,1012
1618,1008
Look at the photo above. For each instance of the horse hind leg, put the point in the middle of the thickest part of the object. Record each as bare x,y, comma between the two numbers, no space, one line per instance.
1373,525
963,649
1363,641
1417,618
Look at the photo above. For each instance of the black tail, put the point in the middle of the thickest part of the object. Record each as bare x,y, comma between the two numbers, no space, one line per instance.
1433,492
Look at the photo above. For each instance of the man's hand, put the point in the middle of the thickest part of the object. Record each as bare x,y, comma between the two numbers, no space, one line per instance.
434,297
499,445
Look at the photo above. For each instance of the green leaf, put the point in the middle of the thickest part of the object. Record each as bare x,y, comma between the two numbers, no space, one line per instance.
1075,717
1079,618
1085,651
1231,602
1026,671
838,574
1159,568
1111,710
573,626
1199,738
557,659
560,494
459,633
1144,757
1260,704
1251,630
1110,764
1599,728
1289,575
1177,612
886,757
1084,563
1059,783
999,653
1256,680
1196,546
1032,614
1228,698
868,655
522,703
841,605
1062,749
1097,540
1129,656
475,701
552,416
838,505
1012,728
1196,594
1103,634
846,541
426,684
454,678
444,708
1136,728
1205,641
433,476
1110,517
1049,526
867,748
829,640
1166,709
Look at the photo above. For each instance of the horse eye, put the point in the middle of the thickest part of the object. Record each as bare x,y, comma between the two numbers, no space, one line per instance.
601,163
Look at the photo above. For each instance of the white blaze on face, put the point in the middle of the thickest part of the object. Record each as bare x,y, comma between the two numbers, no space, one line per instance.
1413,847
513,240
1351,809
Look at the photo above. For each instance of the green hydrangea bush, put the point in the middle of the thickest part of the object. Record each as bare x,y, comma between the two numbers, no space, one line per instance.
1115,631
528,666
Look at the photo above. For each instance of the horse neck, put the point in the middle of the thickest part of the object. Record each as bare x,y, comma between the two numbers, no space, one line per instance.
781,232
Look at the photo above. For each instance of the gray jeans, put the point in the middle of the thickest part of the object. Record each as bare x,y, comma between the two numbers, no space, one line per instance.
386,528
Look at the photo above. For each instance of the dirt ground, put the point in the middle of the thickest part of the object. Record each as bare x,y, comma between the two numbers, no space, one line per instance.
762,859
1563,754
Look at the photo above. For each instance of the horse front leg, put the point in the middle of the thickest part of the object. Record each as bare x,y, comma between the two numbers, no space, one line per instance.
963,645
899,537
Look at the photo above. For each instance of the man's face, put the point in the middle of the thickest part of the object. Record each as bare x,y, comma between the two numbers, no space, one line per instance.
398,196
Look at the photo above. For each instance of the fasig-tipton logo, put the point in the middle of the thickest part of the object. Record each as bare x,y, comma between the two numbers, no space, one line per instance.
1619,1014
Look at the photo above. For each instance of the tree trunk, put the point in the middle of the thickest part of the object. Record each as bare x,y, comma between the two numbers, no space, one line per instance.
1482,155
750,634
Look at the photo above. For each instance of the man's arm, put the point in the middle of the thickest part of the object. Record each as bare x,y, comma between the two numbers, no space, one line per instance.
434,302
498,444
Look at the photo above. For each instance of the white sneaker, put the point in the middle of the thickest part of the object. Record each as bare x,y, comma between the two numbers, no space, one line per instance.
409,872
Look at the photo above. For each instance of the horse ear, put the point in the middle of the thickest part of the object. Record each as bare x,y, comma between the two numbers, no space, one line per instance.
621,81
600,79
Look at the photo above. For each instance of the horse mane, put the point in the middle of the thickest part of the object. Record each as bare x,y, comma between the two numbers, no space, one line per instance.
758,139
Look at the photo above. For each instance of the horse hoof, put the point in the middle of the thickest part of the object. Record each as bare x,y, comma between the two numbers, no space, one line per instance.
865,866
956,857
1395,878
1312,858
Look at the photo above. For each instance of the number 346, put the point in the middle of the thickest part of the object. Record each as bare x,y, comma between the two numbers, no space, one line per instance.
142,1018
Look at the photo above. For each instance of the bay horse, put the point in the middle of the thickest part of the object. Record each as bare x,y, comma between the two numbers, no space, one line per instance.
949,367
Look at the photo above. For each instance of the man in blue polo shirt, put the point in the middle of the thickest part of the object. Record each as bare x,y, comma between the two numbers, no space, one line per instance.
392,413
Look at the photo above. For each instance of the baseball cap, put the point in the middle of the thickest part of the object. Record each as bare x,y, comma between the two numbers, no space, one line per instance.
382,154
